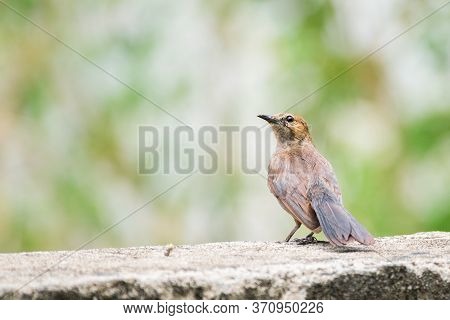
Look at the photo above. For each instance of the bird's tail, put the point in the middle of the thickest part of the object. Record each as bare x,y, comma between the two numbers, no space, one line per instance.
338,225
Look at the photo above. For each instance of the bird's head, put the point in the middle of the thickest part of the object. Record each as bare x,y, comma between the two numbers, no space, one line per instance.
288,127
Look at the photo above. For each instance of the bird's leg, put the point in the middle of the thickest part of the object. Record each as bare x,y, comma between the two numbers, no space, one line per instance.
297,226
307,240
310,235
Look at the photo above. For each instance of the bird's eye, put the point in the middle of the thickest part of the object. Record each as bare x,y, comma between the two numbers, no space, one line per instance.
289,118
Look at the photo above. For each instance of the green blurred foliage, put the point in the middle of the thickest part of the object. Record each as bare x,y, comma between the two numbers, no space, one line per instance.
68,130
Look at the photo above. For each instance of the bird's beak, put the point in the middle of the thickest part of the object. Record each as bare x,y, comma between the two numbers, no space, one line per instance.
269,119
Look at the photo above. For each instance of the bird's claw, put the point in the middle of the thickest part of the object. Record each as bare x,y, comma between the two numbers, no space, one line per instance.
307,240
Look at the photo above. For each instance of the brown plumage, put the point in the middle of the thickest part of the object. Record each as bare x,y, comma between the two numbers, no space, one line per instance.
305,185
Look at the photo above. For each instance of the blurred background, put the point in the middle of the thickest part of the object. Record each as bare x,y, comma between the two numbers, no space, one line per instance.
69,131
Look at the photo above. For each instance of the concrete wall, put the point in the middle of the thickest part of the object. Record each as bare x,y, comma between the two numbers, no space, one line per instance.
403,267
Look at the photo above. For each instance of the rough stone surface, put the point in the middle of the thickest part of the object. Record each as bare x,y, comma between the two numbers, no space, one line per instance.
403,267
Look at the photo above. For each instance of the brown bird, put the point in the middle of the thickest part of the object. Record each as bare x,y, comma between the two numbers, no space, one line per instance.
305,185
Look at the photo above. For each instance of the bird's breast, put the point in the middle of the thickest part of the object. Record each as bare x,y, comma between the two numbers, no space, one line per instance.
289,179
287,172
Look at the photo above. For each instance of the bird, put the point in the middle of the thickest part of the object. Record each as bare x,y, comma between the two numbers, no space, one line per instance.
305,184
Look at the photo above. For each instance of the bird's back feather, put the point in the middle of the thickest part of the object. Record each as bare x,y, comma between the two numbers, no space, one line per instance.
338,225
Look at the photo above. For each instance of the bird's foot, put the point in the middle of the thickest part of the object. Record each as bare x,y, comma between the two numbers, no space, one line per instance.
306,240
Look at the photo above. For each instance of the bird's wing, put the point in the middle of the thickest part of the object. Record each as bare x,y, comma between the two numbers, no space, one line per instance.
289,187
338,225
